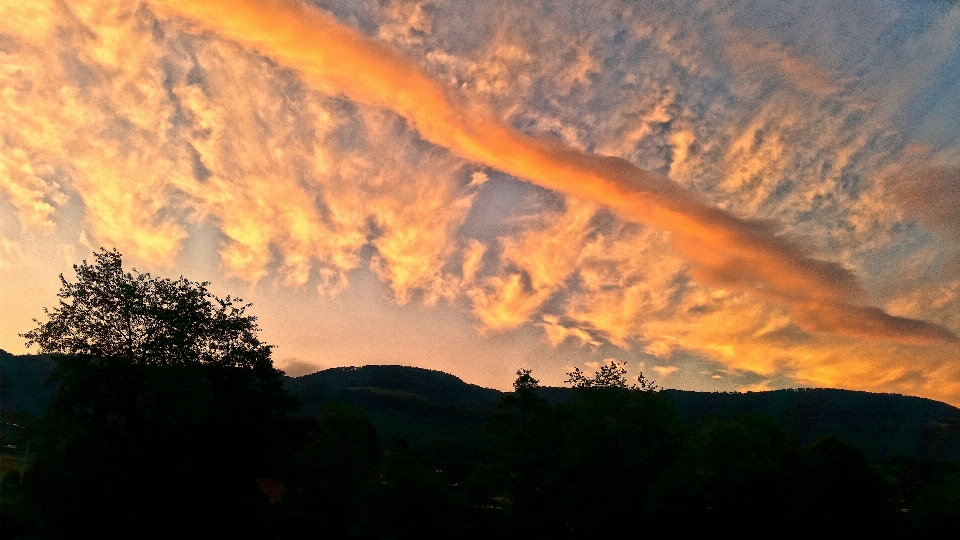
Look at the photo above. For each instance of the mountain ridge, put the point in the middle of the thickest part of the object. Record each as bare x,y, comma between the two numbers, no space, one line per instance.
421,405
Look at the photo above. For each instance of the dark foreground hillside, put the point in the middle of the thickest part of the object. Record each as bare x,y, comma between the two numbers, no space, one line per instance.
421,405
151,450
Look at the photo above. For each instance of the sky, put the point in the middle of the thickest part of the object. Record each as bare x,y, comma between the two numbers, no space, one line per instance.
726,195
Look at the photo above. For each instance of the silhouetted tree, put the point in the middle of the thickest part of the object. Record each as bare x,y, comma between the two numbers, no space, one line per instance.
612,375
571,468
839,487
530,431
523,402
927,493
109,313
166,413
618,439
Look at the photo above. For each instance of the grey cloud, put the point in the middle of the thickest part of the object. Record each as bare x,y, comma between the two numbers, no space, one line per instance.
932,196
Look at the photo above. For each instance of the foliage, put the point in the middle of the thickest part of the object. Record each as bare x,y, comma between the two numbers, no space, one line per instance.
167,411
927,492
562,463
525,381
160,446
750,470
613,375
412,498
575,469
110,313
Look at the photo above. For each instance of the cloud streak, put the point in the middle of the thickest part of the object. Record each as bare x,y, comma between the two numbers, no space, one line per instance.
723,249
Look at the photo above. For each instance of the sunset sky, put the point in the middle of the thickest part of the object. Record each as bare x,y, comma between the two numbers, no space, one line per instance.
737,195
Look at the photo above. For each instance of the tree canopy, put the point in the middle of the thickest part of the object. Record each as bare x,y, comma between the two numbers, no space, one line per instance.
612,375
167,412
111,313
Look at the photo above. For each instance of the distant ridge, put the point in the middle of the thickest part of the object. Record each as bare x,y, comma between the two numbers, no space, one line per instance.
882,425
421,405
414,403
23,383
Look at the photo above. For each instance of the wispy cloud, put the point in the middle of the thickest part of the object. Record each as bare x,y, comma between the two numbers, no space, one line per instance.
724,249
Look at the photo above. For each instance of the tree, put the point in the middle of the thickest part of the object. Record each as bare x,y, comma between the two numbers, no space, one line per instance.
531,434
110,313
524,399
525,381
617,440
570,468
167,411
752,470
613,375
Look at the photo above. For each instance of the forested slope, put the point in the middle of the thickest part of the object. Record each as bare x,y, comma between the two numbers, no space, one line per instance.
421,405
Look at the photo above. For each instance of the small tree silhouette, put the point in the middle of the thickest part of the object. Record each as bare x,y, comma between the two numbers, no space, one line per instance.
525,381
613,375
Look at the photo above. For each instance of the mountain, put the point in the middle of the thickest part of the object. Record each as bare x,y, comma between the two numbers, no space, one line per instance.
23,383
422,405
414,403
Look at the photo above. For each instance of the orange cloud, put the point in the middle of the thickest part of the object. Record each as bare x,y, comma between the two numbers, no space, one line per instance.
281,197
537,261
113,128
138,135
724,249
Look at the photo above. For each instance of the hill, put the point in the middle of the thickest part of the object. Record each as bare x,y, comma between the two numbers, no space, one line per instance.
414,403
881,425
421,405
23,383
